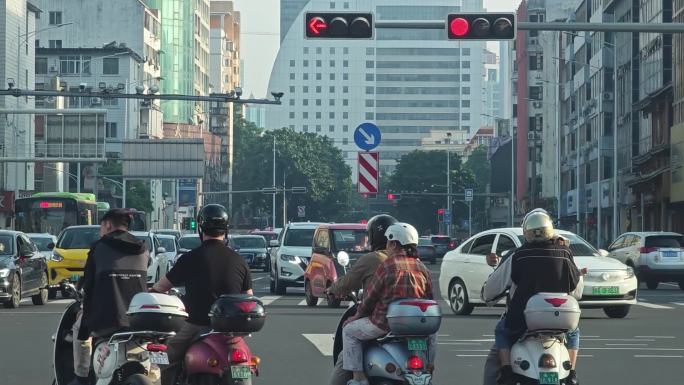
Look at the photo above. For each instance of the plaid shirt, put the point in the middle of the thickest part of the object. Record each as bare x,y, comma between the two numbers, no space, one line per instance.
396,278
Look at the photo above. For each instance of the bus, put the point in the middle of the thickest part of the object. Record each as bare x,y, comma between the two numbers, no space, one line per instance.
51,212
102,208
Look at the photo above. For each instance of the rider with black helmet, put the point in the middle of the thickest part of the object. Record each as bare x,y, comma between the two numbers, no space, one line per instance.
363,270
207,272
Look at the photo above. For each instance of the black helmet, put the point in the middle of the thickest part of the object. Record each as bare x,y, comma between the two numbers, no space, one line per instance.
213,219
376,228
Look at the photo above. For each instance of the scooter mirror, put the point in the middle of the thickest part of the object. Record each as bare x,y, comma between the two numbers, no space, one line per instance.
343,258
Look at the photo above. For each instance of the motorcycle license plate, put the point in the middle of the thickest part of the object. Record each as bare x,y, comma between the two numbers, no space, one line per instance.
240,372
159,358
548,378
417,344
605,290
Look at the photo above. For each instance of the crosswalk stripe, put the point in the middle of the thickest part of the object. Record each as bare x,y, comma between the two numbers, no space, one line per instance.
653,305
678,303
321,302
269,299
323,342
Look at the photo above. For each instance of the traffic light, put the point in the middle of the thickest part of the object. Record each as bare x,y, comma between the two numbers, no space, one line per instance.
189,223
393,197
322,25
481,26
193,224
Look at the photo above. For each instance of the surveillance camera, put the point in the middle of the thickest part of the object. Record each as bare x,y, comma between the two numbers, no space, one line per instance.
238,92
154,89
277,95
82,86
139,89
10,83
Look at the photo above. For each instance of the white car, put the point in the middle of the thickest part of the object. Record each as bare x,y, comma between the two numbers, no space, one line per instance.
170,244
159,263
42,241
609,284
655,256
290,255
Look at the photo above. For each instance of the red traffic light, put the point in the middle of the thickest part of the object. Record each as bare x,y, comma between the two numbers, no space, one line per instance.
316,26
459,27
390,197
364,222
341,25
440,212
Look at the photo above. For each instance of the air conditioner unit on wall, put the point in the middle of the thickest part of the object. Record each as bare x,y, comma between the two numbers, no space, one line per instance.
537,104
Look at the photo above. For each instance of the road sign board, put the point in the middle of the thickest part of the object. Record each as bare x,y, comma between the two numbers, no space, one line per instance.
301,211
469,195
367,136
368,172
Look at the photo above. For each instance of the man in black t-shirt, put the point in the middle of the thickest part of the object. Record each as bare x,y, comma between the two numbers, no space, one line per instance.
207,272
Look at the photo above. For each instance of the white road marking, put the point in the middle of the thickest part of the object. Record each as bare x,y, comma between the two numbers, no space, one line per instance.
623,339
269,299
323,342
471,355
655,356
669,284
258,278
627,348
626,344
303,303
471,341
31,312
321,302
678,303
664,337
61,301
652,305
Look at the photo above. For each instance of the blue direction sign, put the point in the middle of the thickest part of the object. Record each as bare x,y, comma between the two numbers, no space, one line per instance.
367,136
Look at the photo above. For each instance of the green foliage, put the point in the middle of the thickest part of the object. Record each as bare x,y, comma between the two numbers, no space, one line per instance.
479,165
137,191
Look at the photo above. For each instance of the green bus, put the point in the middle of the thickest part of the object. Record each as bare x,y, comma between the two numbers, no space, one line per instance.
51,212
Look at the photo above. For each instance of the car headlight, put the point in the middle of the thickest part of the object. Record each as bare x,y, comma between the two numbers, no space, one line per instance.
56,257
289,258
4,273
630,273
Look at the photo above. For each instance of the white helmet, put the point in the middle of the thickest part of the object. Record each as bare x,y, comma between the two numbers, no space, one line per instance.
537,227
403,233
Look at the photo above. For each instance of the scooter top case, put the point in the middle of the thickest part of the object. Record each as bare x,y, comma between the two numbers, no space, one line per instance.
63,353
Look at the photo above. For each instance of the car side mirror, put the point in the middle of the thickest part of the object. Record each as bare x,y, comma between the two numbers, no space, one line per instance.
50,246
603,253
274,243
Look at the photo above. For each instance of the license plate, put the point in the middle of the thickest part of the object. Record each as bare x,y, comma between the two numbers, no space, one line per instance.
240,372
159,358
670,254
417,344
605,290
548,378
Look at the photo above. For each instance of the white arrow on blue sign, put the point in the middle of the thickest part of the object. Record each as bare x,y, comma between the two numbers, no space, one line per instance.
367,136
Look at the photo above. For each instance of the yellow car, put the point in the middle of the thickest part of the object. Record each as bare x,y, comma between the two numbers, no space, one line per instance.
69,255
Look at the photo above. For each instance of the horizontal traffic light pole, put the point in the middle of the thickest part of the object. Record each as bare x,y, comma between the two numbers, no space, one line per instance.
267,190
528,26
16,92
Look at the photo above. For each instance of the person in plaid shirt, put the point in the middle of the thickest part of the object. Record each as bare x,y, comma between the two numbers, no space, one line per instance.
402,275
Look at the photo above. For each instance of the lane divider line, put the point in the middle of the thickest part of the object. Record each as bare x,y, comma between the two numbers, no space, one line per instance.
652,305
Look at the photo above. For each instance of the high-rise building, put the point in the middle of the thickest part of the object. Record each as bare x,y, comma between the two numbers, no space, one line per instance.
409,82
491,90
17,30
289,11
677,130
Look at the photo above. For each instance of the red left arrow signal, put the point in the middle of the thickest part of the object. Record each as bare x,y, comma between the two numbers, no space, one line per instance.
317,25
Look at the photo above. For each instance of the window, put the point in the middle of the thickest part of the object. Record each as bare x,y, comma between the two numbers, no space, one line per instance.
55,18
345,102
318,128
319,50
292,76
292,63
465,103
305,102
503,244
465,116
345,128
618,244
465,64
305,76
292,102
370,103
292,126
110,66
370,77
55,44
465,77
319,77
332,50
318,89
305,63
370,90
306,50
370,115
345,50
346,5
332,5
305,89
345,115
331,128
110,130
331,115
305,115
332,63
483,245
319,63
345,89
292,89
370,64
466,51
332,76
74,64
536,93
292,115
332,89
466,90
345,63
345,141
318,102
332,102
370,51
306,128
41,65
465,249
345,76
318,115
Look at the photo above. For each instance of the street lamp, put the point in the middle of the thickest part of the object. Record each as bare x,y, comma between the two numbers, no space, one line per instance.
447,225
263,134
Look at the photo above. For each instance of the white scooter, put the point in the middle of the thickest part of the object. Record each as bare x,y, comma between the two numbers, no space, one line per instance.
126,358
540,356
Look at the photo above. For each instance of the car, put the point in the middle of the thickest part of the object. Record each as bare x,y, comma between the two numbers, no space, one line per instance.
170,243
270,235
442,243
655,256
253,248
188,242
330,242
609,284
45,243
23,270
427,250
159,264
69,255
290,254
176,233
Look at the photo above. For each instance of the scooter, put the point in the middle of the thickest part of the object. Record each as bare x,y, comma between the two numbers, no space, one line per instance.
401,356
126,358
220,356
540,355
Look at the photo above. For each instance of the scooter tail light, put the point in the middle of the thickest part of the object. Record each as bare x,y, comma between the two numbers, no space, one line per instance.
546,361
156,347
414,363
556,302
423,305
238,356
255,361
156,307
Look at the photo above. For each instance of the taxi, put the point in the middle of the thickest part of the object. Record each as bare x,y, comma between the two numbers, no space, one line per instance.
69,255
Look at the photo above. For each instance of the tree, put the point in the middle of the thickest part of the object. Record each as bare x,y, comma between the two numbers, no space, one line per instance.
425,172
137,191
480,167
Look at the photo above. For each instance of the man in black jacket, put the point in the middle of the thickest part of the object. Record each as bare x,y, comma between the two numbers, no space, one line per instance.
115,271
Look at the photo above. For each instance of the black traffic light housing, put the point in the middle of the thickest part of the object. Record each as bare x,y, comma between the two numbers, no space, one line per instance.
481,26
338,25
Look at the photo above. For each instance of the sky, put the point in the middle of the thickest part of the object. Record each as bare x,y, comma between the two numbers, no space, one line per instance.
261,38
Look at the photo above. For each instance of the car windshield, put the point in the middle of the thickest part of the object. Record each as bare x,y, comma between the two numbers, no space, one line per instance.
665,241
440,240
168,243
250,242
189,243
578,246
268,236
299,237
78,238
352,241
145,239
6,243
42,243
424,242
175,234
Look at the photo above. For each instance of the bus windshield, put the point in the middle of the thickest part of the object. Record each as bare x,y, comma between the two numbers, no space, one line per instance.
46,215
